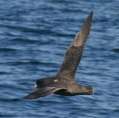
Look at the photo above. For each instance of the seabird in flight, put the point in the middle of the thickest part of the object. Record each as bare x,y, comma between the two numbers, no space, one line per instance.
63,83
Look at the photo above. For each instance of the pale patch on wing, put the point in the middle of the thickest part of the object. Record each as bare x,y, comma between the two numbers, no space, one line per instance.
55,80
35,85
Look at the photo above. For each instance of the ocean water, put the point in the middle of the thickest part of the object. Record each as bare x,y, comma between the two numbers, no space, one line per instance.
34,35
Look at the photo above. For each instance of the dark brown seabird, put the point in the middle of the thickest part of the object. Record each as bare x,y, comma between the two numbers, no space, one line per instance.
63,82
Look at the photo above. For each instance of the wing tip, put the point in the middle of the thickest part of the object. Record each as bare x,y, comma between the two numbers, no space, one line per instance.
84,32
32,95
91,14
90,17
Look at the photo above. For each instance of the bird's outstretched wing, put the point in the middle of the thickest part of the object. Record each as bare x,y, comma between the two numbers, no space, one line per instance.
41,92
44,87
74,53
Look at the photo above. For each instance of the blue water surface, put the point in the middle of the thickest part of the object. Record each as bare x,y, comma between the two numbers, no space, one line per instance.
34,35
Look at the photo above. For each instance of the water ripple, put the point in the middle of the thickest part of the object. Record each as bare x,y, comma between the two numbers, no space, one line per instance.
34,36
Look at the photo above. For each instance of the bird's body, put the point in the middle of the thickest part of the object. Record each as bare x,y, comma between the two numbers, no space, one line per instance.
63,82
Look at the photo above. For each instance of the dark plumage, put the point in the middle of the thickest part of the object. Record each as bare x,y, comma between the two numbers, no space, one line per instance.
63,82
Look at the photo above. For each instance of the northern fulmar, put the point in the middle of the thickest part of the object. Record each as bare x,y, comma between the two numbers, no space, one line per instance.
63,82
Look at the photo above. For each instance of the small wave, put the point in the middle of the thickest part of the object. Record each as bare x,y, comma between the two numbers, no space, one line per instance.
31,41
21,28
10,100
115,50
25,40
28,29
30,62
6,49
5,115
5,73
